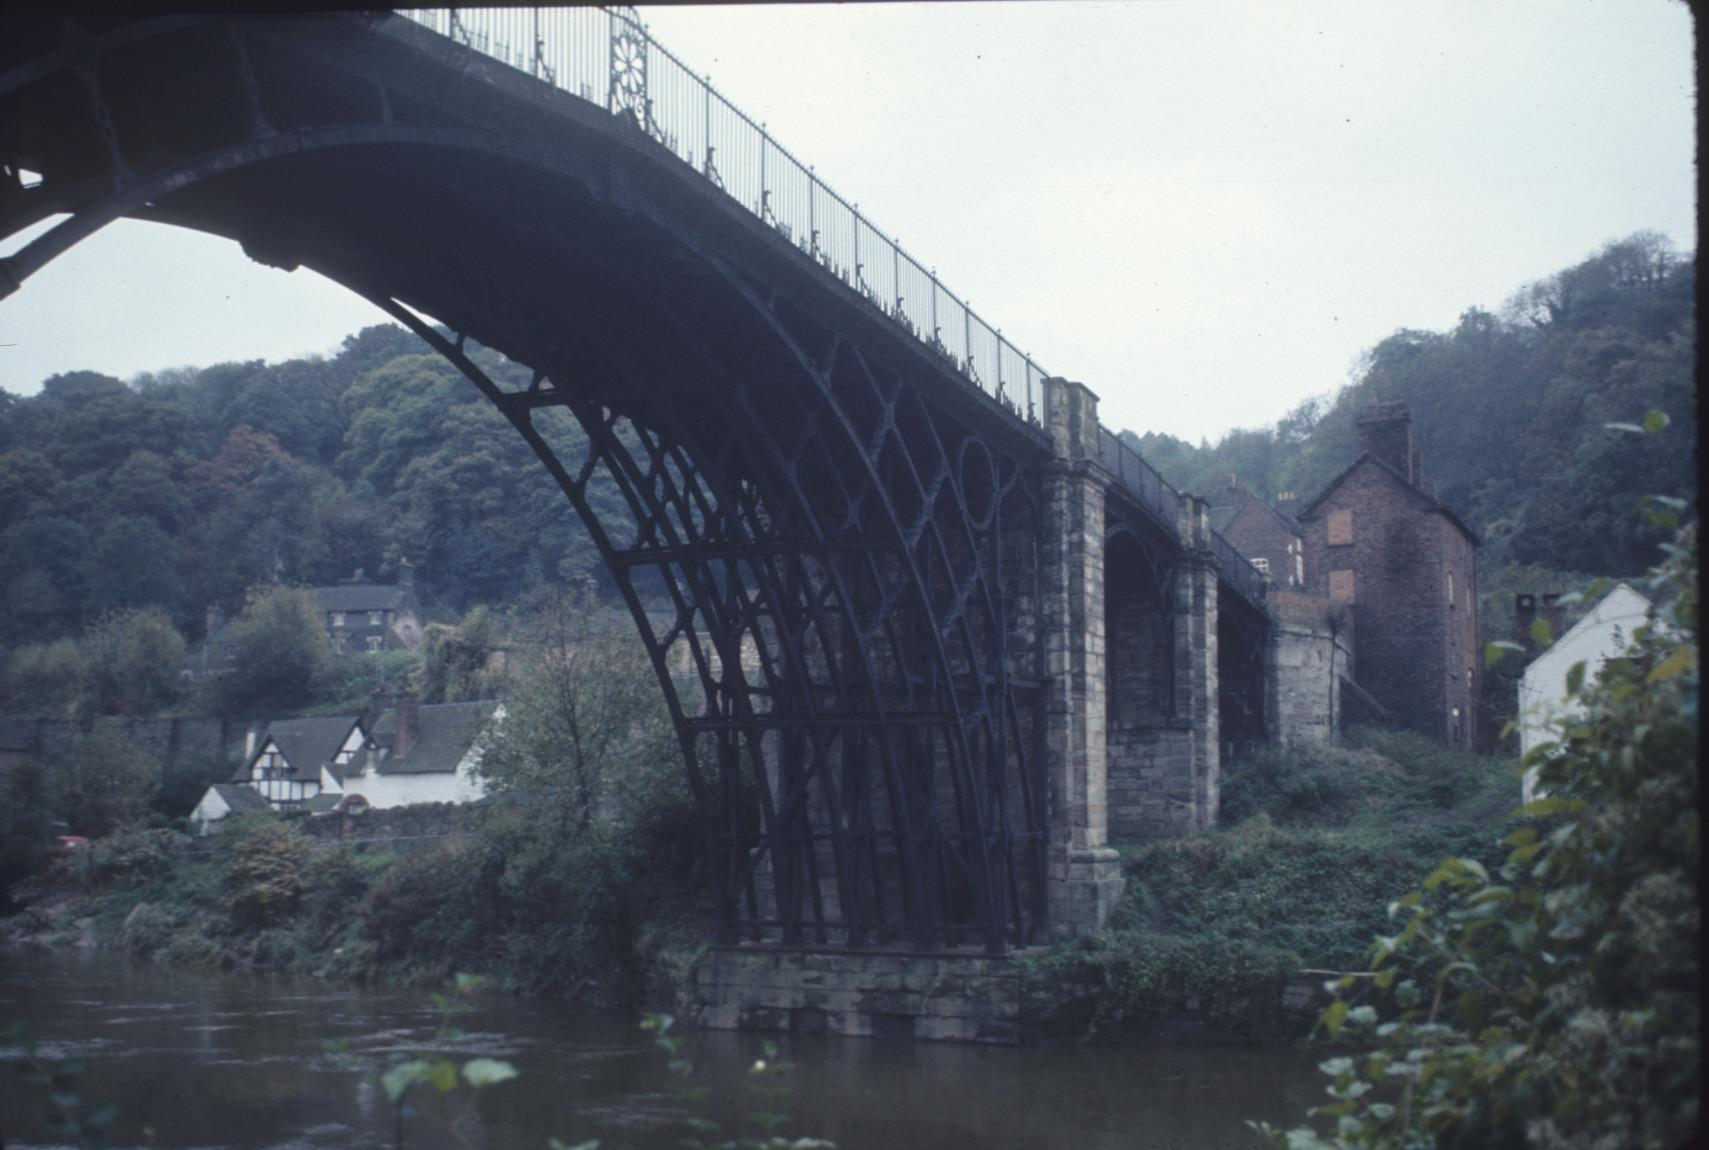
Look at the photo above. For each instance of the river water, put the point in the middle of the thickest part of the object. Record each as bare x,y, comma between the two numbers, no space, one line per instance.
192,1059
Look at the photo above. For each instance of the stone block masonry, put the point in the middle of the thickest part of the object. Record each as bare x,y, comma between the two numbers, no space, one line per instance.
951,997
1083,874
1311,651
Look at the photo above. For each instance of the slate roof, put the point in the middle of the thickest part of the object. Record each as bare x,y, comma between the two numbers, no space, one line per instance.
354,597
241,798
1430,502
445,734
307,745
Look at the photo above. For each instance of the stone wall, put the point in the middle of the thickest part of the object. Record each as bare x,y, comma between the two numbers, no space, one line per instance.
954,997
395,826
1311,650
170,741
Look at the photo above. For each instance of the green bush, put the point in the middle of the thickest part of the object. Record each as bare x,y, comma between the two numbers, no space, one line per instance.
1556,1001
263,864
125,858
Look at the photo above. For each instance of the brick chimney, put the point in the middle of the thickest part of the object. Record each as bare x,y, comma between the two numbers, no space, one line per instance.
1287,503
408,726
1385,431
1555,612
406,573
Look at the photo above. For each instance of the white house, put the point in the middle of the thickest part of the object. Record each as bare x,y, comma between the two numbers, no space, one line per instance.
423,754
412,754
295,763
1602,634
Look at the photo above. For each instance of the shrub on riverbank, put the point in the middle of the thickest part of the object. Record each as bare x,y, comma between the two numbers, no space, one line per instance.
1315,842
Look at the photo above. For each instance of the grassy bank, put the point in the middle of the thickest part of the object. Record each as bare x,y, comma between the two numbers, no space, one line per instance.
1314,844
533,911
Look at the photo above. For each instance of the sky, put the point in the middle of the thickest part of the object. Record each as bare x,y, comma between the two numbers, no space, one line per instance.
1205,210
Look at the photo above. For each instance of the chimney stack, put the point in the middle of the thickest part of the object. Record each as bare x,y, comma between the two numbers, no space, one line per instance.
1385,431
406,572
1287,503
1555,613
408,726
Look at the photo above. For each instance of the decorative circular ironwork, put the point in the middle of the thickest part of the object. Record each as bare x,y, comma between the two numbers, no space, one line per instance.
977,473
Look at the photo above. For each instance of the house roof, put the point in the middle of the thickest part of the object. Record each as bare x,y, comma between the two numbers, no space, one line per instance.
444,735
1430,502
360,597
307,744
241,798
1229,512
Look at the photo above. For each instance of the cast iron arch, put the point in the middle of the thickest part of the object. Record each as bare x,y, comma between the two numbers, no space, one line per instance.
869,780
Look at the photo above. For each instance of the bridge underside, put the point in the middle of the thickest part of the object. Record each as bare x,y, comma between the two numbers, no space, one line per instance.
844,567
836,550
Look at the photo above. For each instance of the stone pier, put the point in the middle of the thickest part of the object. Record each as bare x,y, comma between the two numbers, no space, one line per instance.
1084,874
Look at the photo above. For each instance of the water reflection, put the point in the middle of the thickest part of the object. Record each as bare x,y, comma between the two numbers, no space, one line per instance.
197,1060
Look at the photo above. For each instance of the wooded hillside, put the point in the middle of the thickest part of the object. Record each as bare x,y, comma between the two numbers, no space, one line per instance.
182,489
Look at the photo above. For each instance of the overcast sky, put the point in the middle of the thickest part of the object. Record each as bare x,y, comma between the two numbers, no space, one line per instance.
1203,209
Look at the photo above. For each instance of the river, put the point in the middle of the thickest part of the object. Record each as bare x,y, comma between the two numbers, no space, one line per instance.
192,1059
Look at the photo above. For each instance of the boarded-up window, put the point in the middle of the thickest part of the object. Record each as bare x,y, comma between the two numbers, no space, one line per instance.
1341,586
1340,528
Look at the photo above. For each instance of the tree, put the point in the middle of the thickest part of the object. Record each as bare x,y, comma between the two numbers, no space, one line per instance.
585,730
1557,1003
104,782
279,642
45,679
133,658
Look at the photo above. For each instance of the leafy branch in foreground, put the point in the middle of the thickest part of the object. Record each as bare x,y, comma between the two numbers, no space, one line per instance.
768,1088
69,1114
436,1076
1555,1003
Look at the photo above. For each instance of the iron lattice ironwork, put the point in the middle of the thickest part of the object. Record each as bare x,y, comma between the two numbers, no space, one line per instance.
835,646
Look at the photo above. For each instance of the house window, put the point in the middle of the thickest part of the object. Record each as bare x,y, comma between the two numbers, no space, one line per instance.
338,618
1297,550
375,618
374,642
1340,528
1341,586
1262,564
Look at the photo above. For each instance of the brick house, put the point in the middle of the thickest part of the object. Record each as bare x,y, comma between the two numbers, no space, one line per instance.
358,616
364,616
1405,566
1267,535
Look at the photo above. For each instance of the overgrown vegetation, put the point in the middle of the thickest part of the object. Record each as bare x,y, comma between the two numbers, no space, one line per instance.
586,856
1314,844
1553,1000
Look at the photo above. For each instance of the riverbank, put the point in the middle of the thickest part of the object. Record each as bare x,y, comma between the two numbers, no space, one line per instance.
1209,940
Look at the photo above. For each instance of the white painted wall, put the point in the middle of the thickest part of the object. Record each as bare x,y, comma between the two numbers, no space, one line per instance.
1593,640
211,809
382,791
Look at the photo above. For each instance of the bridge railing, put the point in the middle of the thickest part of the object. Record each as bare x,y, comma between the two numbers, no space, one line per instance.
606,56
1237,570
1156,496
1139,478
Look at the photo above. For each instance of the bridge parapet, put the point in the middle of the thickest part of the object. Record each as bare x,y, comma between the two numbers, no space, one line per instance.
607,57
